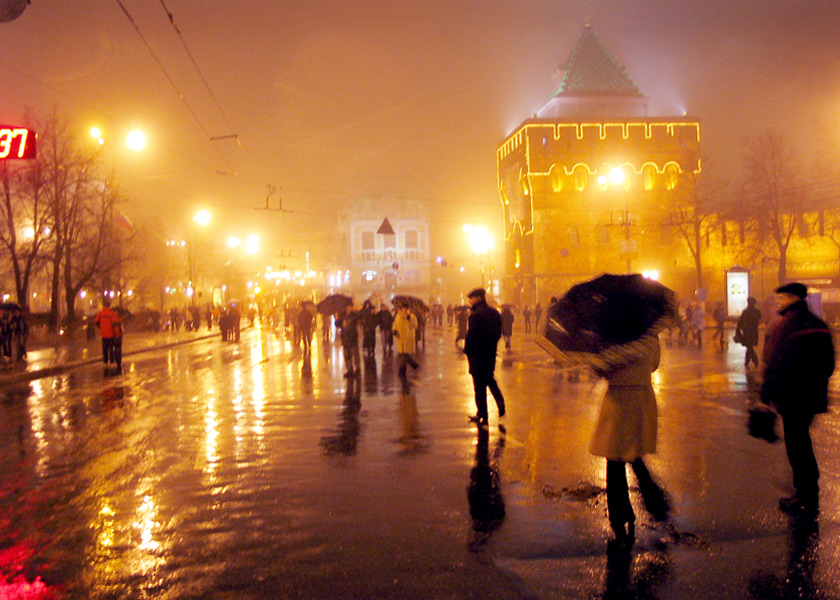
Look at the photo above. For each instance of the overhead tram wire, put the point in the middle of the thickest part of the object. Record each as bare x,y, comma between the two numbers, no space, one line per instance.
209,89
171,81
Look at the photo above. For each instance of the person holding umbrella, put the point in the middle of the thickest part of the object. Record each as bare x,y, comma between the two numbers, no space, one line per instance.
625,430
483,333
612,324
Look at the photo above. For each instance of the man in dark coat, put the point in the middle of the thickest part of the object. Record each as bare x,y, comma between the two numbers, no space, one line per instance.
507,325
385,320
483,333
799,359
746,331
348,323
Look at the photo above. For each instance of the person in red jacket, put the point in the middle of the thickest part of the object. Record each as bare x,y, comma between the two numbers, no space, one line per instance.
110,328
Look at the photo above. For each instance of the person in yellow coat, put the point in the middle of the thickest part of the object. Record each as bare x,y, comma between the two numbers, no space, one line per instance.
404,329
625,430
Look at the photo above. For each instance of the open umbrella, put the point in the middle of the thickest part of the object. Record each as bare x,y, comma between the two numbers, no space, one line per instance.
603,312
9,306
461,308
415,304
334,303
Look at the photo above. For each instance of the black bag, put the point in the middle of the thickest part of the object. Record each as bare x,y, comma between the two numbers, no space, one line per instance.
738,339
762,423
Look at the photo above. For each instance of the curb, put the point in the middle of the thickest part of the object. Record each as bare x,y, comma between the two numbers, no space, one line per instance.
34,374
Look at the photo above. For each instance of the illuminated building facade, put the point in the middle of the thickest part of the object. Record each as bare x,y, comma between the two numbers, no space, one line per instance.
589,184
383,262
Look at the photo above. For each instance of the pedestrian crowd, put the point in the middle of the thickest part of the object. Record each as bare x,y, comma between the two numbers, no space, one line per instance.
798,357
14,331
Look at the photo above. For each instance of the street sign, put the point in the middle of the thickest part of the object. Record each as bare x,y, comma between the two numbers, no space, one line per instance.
16,142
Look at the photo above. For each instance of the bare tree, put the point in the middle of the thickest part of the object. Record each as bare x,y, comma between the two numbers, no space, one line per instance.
692,211
774,195
24,222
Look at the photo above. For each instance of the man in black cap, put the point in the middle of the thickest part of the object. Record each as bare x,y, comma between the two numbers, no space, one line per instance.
798,359
485,329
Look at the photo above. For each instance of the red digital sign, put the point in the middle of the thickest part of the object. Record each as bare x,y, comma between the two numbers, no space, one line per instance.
16,142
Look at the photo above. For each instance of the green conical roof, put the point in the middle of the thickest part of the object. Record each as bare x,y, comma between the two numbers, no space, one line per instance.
591,70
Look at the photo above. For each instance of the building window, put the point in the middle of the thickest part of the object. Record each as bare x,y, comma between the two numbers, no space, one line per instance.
603,235
672,175
574,236
412,238
390,240
581,175
368,240
649,177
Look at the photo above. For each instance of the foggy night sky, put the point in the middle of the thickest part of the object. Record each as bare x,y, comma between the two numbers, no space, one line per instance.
337,100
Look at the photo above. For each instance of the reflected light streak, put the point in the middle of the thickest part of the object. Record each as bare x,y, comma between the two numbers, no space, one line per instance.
37,417
238,428
107,528
258,403
147,525
211,434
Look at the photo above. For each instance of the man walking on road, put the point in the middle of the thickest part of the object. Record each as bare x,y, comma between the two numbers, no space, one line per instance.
110,328
485,329
747,330
799,359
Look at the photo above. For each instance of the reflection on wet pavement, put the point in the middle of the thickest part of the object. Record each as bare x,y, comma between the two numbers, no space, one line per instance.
256,470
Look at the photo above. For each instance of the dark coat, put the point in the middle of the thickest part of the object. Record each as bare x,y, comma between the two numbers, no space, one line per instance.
748,326
483,333
349,326
507,322
799,359
386,319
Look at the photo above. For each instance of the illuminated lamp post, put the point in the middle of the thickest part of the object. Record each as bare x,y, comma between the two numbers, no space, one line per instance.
481,242
202,219
617,179
135,141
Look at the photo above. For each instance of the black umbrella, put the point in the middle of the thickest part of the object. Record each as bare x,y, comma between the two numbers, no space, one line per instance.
602,312
334,303
415,304
9,306
461,308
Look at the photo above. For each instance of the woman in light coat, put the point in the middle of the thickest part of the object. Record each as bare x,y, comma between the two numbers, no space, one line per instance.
626,429
404,329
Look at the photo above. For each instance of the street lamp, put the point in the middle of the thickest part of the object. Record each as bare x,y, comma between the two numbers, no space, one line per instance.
481,241
136,142
202,218
617,178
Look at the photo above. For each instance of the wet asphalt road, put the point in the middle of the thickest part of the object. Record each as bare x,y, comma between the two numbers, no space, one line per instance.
214,470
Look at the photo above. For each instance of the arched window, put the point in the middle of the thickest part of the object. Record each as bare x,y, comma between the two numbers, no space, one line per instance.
581,174
672,175
556,175
649,177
